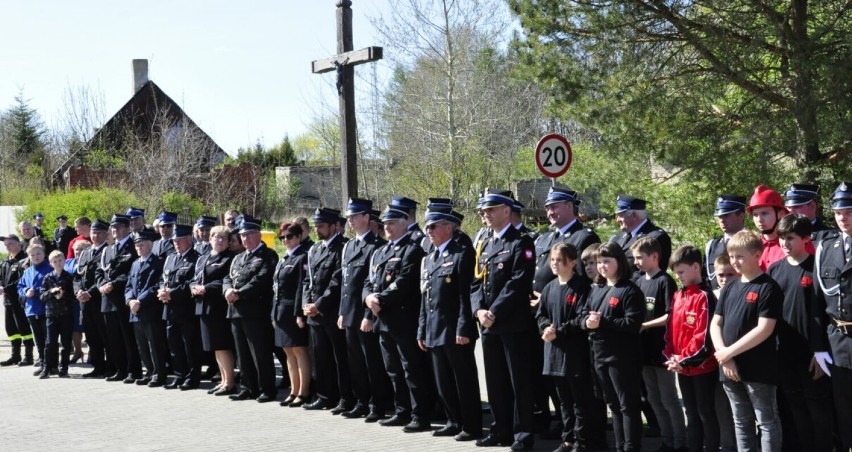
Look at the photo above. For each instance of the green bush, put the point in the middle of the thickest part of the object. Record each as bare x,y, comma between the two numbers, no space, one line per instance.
187,207
94,204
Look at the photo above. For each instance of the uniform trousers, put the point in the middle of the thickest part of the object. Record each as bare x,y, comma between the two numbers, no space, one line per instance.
38,326
257,365
122,343
151,342
94,327
806,408
507,379
370,381
185,346
457,381
841,381
328,345
59,328
408,371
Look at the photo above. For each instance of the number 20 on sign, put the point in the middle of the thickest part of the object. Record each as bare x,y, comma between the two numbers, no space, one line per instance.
553,155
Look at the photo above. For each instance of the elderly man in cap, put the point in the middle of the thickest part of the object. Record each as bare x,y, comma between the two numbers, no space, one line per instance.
409,206
633,219
17,327
203,224
445,205
63,235
146,311
500,301
249,293
802,199
370,382
321,304
392,294
115,263
730,215
182,327
833,270
446,327
166,223
87,291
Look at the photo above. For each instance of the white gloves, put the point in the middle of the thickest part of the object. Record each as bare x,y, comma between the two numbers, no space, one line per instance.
823,359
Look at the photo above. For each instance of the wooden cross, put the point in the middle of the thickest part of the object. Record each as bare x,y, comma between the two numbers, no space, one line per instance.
344,63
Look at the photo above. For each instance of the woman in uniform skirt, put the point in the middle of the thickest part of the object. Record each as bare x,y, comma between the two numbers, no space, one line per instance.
211,306
287,316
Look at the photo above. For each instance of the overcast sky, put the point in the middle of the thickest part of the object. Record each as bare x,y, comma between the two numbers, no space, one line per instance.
241,70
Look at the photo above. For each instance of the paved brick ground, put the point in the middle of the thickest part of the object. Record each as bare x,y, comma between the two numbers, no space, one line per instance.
86,415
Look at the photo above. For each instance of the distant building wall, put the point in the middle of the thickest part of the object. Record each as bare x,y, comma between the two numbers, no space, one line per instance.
310,187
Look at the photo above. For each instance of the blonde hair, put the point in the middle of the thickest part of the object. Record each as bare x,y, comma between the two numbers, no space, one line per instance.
745,240
55,253
35,246
81,245
219,230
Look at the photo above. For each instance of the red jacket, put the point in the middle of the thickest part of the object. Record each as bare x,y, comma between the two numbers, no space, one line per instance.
688,330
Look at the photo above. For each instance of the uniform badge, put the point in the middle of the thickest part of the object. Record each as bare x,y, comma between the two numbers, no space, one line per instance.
448,280
570,298
445,254
807,281
613,302
650,302
690,319
396,248
500,266
392,286
529,254
751,297
388,278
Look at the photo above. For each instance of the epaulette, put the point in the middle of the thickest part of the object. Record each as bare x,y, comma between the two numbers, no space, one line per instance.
831,234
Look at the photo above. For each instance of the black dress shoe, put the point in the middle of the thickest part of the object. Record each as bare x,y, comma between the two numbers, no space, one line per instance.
318,404
143,381
492,441
395,421
242,395
118,376
189,384
341,407
156,383
465,436
447,430
131,379
264,398
11,361
298,401
213,389
173,385
374,416
286,402
417,425
224,391
25,362
63,373
93,374
522,445
355,413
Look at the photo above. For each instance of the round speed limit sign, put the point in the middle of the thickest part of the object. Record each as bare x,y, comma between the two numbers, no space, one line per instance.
553,155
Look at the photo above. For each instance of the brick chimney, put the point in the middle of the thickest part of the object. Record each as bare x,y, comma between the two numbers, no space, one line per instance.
140,74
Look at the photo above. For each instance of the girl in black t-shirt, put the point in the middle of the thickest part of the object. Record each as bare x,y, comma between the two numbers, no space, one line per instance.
616,311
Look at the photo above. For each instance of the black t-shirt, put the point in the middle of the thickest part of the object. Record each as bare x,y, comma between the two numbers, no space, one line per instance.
658,292
797,282
740,305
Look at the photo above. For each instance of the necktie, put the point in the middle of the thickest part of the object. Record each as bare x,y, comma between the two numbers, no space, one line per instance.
847,246
435,255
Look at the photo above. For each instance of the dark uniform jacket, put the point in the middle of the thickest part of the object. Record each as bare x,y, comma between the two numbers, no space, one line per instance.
11,270
62,306
142,285
287,285
210,271
577,235
178,271
822,231
445,287
62,238
355,269
85,278
395,277
251,275
714,248
114,268
834,292
163,247
202,248
649,229
417,234
509,263
322,284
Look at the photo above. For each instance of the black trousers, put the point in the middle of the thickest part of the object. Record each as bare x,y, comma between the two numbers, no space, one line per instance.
699,400
17,328
543,386
576,396
328,345
806,408
58,329
151,342
841,381
184,338
38,326
94,327
408,371
622,385
457,381
122,343
257,365
370,381
507,379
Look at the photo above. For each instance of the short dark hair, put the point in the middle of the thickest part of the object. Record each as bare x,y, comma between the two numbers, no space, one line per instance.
795,224
647,245
614,251
591,252
84,221
565,251
685,254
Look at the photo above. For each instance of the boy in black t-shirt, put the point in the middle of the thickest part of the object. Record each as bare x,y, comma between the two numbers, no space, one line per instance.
743,332
658,288
805,403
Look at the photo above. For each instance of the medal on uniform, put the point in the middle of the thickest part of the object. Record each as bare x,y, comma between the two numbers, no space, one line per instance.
500,266
445,254
388,278
448,280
